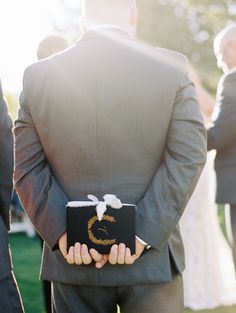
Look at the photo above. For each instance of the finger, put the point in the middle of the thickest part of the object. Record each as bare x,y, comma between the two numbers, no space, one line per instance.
102,262
121,254
70,256
86,258
63,245
77,254
113,254
129,259
97,257
139,248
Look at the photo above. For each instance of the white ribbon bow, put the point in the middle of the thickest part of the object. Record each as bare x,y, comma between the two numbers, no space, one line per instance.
101,206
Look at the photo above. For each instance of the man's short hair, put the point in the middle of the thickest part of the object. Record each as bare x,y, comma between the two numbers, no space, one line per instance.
228,32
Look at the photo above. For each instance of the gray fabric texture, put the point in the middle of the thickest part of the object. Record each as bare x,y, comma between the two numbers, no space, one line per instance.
9,296
110,115
6,160
6,172
161,298
5,259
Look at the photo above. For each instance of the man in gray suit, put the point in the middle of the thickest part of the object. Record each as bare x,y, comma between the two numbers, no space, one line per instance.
222,134
110,115
9,297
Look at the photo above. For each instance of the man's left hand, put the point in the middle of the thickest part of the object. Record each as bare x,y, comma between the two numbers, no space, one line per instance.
119,254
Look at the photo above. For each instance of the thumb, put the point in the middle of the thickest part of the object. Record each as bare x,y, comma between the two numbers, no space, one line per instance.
63,245
95,255
101,263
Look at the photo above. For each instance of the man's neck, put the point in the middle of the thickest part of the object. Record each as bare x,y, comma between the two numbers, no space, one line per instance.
88,26
105,26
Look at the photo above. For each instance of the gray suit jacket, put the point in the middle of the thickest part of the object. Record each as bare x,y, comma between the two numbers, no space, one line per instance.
6,171
110,115
222,137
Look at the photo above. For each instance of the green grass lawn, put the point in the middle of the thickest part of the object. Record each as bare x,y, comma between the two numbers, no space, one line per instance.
26,258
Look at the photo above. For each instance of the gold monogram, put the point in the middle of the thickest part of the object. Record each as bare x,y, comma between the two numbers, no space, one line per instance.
103,242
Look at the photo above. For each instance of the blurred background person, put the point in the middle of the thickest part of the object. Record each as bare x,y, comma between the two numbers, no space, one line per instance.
10,300
20,222
209,280
47,47
222,134
51,45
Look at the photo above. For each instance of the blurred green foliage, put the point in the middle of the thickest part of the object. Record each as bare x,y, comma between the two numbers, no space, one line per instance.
187,26
12,102
26,254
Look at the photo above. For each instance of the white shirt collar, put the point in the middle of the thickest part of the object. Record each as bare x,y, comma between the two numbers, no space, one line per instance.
105,26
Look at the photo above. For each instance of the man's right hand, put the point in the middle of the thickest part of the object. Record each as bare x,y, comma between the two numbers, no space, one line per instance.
62,242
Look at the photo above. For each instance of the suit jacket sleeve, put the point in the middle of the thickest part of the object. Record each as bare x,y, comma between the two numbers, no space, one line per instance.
41,196
224,131
162,206
6,160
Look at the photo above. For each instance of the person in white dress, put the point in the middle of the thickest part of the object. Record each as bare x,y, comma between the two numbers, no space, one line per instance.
209,278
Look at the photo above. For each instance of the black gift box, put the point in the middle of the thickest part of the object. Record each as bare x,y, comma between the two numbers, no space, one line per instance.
117,226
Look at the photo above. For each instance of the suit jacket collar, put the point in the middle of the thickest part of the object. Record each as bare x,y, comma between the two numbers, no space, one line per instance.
232,70
104,31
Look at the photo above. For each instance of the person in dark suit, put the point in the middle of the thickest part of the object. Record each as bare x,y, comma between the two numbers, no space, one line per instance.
110,115
10,300
222,134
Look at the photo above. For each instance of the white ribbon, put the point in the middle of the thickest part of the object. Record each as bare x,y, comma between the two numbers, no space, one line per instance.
101,206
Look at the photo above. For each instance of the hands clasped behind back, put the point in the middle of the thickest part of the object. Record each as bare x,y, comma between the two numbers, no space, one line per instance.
79,254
